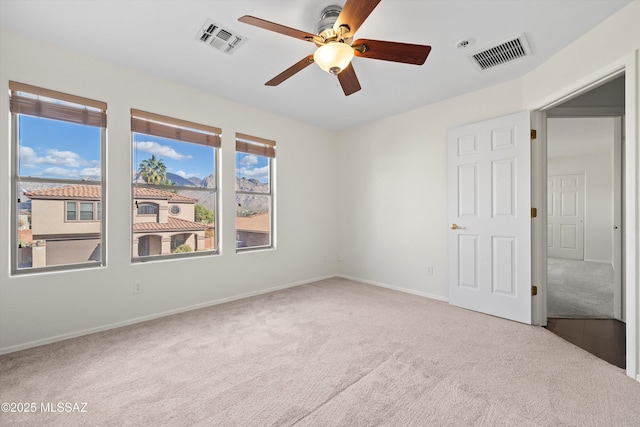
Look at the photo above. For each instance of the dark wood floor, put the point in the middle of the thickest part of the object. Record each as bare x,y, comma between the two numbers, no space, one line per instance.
604,338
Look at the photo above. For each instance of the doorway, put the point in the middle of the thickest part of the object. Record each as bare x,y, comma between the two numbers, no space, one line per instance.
584,205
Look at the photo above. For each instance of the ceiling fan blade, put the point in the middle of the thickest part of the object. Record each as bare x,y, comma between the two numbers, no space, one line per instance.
272,26
353,14
349,80
298,66
391,51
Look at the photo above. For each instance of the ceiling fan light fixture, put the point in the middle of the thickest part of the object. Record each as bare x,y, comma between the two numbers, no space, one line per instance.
333,57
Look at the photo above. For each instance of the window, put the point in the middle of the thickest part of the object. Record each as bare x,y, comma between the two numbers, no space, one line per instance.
72,211
57,182
147,209
174,187
254,192
88,211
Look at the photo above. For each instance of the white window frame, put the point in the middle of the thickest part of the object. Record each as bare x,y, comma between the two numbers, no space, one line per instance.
249,144
94,114
146,123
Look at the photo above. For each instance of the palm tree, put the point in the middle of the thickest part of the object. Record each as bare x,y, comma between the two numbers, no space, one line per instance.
153,171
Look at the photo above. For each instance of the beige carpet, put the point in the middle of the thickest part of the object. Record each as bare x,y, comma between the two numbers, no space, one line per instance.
579,289
331,353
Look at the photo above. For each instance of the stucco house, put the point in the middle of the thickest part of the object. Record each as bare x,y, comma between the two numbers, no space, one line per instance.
162,221
66,224
252,230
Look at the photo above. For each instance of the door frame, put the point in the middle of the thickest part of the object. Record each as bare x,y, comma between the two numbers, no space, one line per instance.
627,66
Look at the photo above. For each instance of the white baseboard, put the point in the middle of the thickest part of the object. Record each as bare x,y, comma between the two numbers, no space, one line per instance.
395,288
599,261
62,337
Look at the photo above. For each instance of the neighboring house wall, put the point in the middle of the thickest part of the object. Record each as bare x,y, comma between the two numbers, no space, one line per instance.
148,241
48,218
58,241
253,230
252,238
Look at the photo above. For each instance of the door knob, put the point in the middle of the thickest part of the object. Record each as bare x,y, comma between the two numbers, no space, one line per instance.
454,226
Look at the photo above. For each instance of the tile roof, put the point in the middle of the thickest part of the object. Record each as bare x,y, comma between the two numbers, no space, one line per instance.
94,192
173,224
85,192
155,193
258,223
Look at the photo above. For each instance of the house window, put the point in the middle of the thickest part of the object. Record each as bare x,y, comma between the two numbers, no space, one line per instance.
174,187
57,180
88,211
72,211
254,192
147,209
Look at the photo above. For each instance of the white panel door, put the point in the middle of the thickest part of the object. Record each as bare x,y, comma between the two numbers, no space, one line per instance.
565,209
489,192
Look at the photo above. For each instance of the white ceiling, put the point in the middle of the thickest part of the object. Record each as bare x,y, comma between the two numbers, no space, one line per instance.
159,37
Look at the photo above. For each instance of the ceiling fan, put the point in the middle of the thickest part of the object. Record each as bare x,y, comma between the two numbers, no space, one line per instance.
335,45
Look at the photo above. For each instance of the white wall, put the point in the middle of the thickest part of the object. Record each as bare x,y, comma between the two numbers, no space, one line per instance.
598,219
393,193
393,205
35,308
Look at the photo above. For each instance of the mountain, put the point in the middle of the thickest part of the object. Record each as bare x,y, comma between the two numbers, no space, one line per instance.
176,179
179,181
195,180
251,204
251,184
208,182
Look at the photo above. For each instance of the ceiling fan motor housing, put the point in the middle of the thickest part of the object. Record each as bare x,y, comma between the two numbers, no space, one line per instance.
324,27
328,17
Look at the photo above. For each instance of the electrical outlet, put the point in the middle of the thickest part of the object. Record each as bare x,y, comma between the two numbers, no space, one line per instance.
430,271
137,288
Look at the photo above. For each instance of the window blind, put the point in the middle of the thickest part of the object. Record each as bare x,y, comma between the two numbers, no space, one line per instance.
254,145
38,102
171,128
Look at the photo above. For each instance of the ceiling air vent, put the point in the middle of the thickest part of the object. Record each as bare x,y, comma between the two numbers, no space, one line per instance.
219,37
502,53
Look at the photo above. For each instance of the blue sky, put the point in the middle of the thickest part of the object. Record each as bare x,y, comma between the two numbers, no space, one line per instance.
181,158
56,149
252,166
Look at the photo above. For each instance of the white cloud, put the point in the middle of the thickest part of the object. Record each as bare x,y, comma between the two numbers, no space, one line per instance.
62,158
159,150
256,173
57,171
29,158
58,163
249,160
95,171
187,175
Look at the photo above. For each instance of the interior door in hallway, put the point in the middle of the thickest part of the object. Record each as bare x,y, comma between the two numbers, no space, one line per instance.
489,201
565,222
